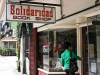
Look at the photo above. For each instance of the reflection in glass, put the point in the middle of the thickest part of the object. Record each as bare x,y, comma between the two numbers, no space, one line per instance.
43,54
94,45
51,46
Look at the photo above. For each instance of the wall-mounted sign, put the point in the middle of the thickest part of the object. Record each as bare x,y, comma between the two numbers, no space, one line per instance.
28,13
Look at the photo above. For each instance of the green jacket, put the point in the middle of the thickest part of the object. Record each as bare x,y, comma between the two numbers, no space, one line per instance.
65,58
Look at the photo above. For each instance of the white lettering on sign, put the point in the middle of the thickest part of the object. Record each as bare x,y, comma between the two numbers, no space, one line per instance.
30,13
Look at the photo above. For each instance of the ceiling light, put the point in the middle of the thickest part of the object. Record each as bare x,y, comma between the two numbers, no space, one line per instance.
77,23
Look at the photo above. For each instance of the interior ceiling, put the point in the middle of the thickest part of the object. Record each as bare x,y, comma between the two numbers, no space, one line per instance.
60,29
71,22
81,20
63,29
68,25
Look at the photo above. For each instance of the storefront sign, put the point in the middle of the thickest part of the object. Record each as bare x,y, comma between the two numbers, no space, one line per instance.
26,13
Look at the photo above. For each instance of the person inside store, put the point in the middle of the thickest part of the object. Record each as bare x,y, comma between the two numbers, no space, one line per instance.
65,58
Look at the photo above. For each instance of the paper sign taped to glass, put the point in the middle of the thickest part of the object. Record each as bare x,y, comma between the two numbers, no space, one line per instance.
91,50
93,67
58,64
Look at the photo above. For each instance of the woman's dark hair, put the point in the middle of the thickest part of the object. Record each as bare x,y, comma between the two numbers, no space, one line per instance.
67,45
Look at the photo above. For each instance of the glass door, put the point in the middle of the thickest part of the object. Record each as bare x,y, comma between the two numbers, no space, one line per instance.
93,39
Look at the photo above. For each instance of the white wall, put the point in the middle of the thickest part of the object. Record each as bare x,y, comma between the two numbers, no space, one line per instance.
72,6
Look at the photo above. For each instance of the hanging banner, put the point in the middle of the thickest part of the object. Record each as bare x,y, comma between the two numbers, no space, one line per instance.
30,13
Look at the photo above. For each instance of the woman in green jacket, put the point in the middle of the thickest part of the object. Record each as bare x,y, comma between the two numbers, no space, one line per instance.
65,58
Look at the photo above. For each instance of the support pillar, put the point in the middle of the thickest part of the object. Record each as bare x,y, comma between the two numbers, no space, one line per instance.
79,49
33,51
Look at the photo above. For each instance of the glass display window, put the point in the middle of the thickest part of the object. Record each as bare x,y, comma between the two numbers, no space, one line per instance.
51,46
93,40
43,50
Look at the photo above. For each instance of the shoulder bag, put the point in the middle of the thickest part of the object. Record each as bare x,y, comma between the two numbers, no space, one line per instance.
73,64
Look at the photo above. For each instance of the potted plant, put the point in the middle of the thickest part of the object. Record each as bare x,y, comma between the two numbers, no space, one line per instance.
16,53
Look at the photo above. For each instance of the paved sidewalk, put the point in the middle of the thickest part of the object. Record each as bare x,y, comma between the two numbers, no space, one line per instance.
8,65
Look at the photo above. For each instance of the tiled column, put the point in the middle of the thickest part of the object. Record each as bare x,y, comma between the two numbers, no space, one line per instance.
32,51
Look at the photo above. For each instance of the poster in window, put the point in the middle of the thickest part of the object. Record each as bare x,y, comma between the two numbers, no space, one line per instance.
93,67
91,50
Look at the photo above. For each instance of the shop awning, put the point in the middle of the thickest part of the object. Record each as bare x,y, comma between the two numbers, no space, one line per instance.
64,22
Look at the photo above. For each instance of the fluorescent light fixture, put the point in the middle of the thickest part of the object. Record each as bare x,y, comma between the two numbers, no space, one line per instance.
77,23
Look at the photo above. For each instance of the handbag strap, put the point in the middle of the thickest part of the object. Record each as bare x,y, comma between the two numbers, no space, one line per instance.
71,54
